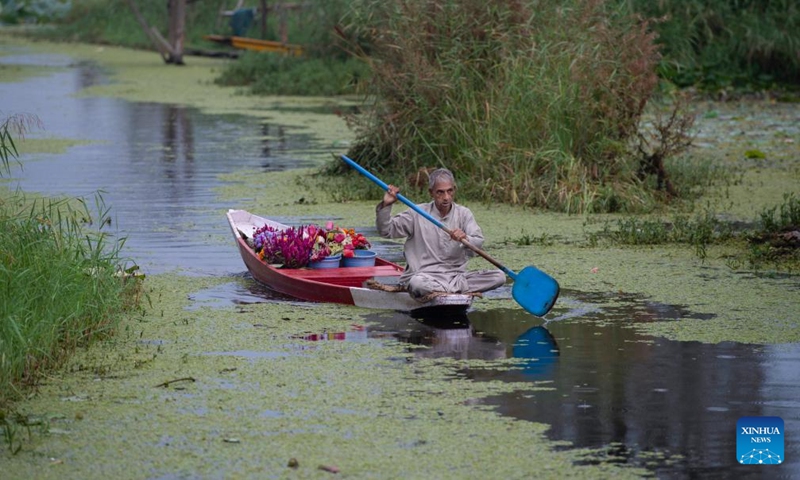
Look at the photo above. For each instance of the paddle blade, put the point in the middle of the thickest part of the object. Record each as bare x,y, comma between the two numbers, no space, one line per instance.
535,291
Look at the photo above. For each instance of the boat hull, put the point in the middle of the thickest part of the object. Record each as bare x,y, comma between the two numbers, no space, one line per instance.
255,44
334,285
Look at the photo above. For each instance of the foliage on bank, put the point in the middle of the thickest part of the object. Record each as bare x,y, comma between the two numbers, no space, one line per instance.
62,277
772,241
727,45
325,69
264,74
718,45
110,22
33,11
534,104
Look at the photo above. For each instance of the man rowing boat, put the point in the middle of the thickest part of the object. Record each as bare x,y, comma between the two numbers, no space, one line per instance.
435,261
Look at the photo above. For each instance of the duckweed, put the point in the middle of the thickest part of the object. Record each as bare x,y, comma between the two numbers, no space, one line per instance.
359,406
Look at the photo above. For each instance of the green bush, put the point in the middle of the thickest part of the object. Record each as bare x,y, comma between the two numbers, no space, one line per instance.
62,280
702,230
324,69
274,74
720,44
777,239
535,103
33,11
111,22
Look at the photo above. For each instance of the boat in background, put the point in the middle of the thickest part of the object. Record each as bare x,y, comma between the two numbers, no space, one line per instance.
347,285
247,43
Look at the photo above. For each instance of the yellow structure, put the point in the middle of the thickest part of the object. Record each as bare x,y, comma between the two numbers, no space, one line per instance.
247,43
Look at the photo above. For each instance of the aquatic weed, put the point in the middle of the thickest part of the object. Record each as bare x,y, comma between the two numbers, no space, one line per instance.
777,240
527,239
10,433
700,231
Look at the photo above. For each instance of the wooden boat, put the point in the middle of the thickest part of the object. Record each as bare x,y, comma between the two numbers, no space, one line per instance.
335,285
247,43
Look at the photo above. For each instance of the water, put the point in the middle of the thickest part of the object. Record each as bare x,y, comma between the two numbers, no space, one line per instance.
632,395
156,164
670,406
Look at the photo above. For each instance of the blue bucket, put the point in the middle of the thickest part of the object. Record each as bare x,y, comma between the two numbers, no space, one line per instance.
327,262
362,258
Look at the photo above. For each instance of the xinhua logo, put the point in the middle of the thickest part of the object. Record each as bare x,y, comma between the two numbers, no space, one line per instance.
759,440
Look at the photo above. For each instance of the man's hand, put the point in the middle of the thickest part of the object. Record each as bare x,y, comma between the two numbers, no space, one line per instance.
458,235
390,196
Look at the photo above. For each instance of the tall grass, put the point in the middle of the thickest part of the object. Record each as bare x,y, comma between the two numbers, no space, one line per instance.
61,278
727,43
534,103
288,75
61,287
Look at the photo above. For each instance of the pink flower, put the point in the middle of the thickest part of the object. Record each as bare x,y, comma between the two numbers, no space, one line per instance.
329,225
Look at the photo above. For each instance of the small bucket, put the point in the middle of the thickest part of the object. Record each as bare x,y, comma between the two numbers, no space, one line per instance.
327,262
361,258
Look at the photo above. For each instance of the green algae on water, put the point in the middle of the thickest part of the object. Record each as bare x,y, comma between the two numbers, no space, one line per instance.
359,406
50,145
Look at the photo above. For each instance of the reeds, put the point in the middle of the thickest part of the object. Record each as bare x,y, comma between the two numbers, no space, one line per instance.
62,285
275,74
532,103
720,44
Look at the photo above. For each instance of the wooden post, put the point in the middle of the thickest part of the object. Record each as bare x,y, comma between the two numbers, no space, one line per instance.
219,15
284,29
177,25
163,47
264,9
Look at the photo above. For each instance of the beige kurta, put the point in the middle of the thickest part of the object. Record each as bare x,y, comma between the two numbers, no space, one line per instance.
431,252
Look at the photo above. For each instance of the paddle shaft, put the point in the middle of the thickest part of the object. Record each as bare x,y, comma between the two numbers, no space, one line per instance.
425,214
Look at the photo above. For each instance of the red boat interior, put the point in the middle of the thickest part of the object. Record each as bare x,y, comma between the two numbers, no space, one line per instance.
344,276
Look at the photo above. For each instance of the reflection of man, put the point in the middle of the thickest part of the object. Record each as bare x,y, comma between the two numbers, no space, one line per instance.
456,340
436,261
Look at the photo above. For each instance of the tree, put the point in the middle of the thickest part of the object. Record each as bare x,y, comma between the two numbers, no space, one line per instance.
171,50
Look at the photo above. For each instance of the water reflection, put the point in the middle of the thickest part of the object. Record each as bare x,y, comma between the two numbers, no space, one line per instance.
268,140
540,348
448,336
615,389
178,139
157,164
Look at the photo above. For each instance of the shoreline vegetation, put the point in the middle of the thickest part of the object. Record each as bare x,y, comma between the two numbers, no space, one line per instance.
65,281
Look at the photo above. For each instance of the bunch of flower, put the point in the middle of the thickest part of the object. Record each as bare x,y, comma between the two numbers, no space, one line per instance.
294,247
359,241
343,240
291,247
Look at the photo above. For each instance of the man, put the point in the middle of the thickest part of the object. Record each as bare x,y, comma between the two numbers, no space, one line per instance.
436,261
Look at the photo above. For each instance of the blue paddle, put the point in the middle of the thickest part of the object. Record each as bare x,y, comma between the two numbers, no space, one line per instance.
533,289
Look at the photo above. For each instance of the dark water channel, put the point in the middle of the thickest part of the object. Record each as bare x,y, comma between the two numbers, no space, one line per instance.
669,406
156,164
